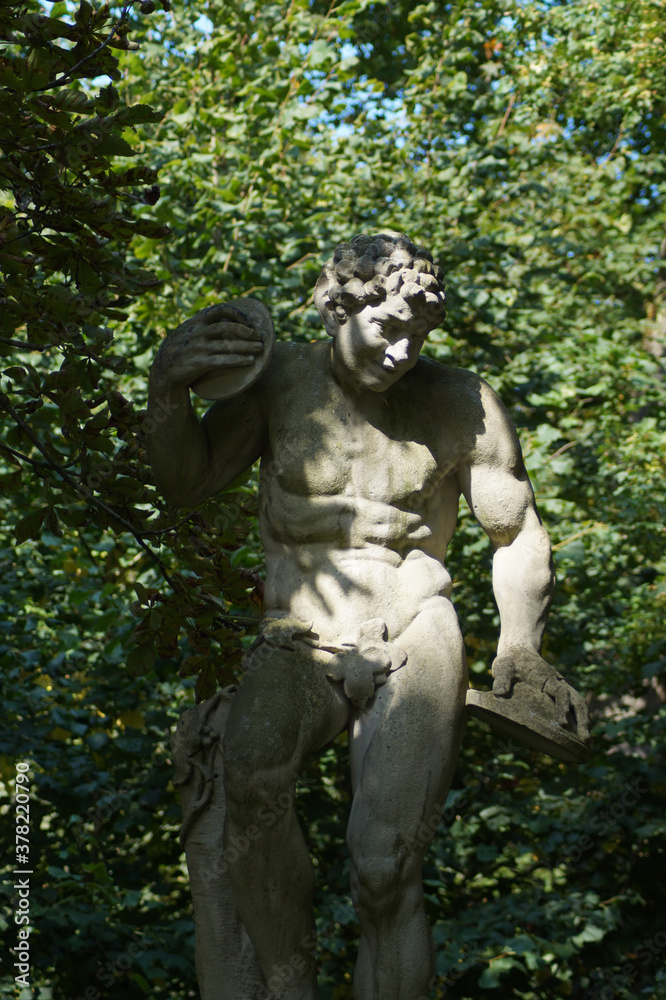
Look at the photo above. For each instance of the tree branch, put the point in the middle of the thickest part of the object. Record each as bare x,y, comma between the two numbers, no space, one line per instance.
23,346
87,494
512,101
24,458
50,465
91,55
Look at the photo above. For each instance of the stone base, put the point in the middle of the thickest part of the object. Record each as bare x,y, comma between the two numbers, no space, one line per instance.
527,717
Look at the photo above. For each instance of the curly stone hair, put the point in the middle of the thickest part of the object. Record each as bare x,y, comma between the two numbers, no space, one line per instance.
369,267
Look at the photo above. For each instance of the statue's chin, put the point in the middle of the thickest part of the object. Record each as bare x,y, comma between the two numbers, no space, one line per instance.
376,379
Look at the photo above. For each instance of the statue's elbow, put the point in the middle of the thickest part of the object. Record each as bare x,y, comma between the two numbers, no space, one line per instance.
179,494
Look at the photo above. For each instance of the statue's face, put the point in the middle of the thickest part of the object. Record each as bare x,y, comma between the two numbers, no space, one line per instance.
374,347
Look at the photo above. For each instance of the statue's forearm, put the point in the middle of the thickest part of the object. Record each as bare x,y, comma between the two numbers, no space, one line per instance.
524,583
176,444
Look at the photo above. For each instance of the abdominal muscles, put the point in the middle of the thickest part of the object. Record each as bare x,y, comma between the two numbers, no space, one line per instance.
337,590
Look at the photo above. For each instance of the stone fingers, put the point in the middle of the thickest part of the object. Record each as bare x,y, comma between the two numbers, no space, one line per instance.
503,672
194,358
235,347
579,706
220,320
229,361
197,329
222,311
558,690
197,364
242,331
562,703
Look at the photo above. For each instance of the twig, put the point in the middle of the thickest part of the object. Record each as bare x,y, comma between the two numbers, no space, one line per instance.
87,494
23,346
620,133
85,545
170,527
84,352
512,101
91,55
565,447
24,458
238,620
577,534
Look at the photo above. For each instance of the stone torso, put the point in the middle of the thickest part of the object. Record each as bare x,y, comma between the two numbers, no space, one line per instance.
359,491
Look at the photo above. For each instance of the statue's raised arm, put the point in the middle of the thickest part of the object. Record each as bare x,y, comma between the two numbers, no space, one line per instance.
219,353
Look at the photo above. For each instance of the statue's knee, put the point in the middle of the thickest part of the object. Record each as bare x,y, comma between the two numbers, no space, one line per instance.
378,881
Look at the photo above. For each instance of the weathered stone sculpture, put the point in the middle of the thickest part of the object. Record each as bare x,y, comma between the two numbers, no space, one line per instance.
365,449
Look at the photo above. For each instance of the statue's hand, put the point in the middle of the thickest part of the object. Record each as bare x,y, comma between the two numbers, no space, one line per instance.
215,339
521,664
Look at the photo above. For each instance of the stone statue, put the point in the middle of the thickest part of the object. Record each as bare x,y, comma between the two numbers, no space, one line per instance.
365,449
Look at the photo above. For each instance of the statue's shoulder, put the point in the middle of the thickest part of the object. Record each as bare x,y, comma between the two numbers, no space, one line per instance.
446,384
462,405
291,361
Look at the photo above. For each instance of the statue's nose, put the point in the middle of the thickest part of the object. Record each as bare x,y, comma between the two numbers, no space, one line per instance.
399,351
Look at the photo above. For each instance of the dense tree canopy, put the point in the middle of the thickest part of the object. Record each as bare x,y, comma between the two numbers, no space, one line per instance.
158,160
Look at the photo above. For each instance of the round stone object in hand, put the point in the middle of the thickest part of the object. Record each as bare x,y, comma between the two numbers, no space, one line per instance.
224,384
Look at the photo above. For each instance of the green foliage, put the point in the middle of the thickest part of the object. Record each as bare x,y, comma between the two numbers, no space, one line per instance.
525,144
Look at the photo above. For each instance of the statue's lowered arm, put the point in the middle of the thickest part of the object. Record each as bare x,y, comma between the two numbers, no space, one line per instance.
527,690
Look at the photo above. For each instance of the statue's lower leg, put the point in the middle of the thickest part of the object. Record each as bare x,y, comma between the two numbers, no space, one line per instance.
273,881
396,955
226,962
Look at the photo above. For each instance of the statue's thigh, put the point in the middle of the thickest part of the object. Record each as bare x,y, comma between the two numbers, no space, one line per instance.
405,744
285,708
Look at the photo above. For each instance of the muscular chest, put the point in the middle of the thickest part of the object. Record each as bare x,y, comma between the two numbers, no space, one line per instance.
375,451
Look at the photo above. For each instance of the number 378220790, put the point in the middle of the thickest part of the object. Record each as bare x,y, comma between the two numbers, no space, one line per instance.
22,812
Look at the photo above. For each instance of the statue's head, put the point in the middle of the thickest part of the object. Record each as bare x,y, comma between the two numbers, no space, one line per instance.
379,298
369,268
